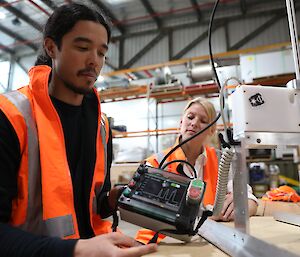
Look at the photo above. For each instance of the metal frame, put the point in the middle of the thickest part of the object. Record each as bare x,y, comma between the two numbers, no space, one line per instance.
294,36
153,14
195,42
269,140
21,15
50,4
17,37
236,243
194,3
286,217
142,52
258,31
240,192
116,22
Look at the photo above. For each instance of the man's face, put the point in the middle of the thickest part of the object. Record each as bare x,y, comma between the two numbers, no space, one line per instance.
78,62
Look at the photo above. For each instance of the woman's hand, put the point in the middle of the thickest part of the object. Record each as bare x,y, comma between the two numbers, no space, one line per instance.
227,213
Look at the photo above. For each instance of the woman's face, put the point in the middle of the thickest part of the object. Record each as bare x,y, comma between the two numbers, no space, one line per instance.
194,119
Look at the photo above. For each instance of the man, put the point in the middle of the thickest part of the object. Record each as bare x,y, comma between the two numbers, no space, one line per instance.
55,149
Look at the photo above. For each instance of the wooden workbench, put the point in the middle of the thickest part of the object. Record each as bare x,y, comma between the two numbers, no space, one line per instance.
263,227
267,208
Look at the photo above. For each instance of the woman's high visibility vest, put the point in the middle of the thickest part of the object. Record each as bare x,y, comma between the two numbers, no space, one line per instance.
44,204
210,177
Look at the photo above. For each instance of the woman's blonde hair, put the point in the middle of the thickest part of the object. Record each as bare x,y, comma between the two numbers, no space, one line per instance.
208,107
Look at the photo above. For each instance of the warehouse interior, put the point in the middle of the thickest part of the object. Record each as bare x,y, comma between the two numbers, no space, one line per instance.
157,61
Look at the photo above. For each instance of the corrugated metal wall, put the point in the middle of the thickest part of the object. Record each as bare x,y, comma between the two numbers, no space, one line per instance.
278,32
158,54
237,30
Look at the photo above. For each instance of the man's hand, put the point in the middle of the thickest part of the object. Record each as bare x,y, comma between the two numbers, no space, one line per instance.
112,245
113,196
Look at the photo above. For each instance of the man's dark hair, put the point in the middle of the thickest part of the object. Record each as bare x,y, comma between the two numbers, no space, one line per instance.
63,20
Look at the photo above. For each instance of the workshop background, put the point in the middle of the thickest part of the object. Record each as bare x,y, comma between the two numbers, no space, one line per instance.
158,60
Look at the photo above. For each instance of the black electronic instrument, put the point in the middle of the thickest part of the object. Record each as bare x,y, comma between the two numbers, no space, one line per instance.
162,201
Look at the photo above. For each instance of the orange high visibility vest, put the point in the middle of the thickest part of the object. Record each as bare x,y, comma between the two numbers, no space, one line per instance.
210,177
45,204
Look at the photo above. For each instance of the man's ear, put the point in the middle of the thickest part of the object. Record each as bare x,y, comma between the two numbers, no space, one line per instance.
50,47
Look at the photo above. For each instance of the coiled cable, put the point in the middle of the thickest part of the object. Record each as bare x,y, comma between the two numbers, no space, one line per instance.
224,167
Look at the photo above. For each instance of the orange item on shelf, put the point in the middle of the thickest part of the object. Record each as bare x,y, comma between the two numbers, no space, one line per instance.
282,193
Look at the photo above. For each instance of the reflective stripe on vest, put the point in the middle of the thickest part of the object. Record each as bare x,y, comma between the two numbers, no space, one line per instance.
21,102
104,143
98,188
59,226
62,226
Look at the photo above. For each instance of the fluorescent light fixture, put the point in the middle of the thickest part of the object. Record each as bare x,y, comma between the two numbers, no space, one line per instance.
112,2
100,78
167,70
2,15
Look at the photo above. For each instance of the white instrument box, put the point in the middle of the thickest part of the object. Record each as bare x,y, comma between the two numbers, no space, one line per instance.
265,109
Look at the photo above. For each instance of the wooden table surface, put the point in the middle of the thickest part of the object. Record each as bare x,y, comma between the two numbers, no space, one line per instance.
267,208
282,235
263,227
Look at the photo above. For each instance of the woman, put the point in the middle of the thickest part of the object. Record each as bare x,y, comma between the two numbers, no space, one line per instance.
197,115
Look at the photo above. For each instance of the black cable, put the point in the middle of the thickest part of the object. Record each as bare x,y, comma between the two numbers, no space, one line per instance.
217,80
115,223
192,232
209,42
186,162
188,139
153,240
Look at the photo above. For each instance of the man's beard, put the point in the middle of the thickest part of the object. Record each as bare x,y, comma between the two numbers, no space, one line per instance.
78,90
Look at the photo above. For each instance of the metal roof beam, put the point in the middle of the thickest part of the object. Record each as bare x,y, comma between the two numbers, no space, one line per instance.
110,14
150,45
21,65
259,30
203,22
6,49
121,52
17,37
111,65
50,4
227,37
197,9
151,11
21,15
195,42
243,4
170,43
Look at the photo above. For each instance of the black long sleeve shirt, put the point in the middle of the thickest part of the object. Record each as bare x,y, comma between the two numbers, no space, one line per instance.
80,131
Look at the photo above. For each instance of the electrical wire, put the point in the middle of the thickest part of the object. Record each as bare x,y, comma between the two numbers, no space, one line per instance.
183,161
218,83
209,43
188,139
224,167
222,103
